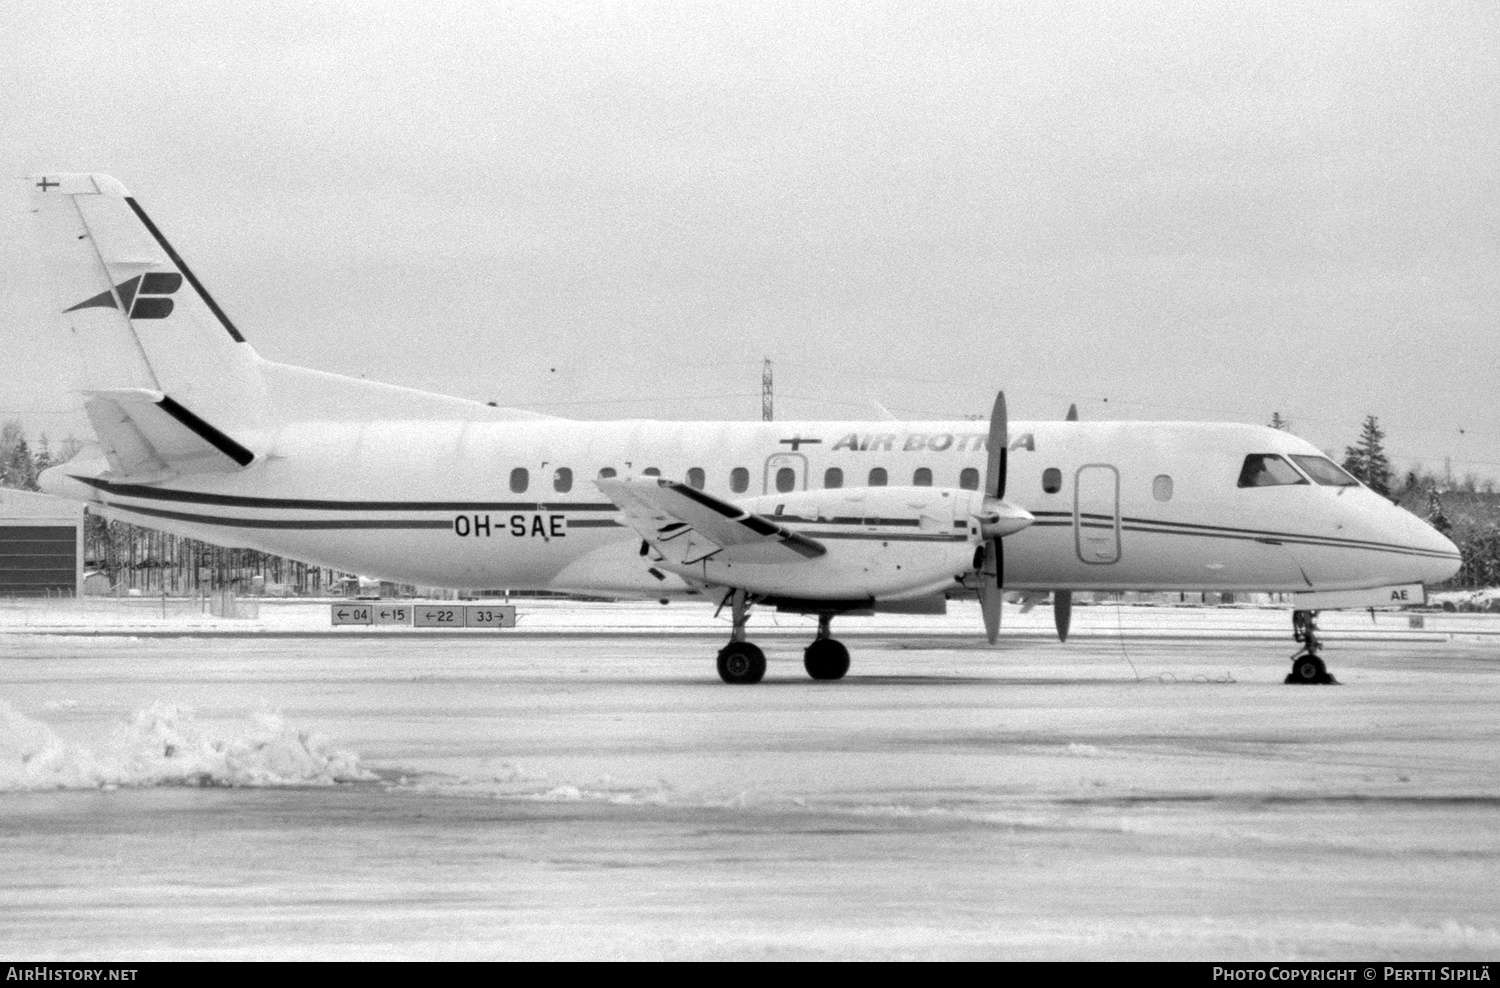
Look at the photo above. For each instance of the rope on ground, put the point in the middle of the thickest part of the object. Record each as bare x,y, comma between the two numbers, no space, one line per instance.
1120,625
1165,677
1228,677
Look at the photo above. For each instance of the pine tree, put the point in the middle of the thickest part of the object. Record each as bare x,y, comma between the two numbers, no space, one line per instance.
43,456
1367,460
10,438
17,467
1435,516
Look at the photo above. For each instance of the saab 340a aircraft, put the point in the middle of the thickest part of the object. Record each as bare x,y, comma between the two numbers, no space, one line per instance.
200,436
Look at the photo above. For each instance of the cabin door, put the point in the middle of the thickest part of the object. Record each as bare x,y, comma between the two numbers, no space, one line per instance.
1096,513
785,472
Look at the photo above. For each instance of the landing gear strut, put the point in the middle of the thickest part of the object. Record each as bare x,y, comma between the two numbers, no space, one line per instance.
740,661
1307,668
826,657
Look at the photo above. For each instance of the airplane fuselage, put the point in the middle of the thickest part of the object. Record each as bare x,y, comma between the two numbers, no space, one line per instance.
483,504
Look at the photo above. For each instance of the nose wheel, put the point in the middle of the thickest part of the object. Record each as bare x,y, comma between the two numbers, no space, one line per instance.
1307,668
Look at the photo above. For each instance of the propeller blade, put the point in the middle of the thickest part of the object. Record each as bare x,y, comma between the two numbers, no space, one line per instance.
1062,612
989,603
991,582
992,578
994,477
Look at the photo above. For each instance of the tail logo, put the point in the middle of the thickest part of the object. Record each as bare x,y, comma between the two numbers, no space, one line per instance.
146,296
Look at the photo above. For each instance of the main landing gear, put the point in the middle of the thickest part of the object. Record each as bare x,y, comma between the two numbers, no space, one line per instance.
740,661
743,662
1307,667
826,657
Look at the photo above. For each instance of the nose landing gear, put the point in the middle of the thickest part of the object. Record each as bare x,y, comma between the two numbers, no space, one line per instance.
1307,667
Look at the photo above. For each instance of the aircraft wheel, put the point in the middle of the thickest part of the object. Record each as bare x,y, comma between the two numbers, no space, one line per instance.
826,658
741,662
1308,669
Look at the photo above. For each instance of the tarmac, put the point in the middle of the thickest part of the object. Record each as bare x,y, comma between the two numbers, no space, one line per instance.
583,786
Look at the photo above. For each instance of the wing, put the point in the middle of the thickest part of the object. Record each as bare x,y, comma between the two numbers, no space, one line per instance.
687,526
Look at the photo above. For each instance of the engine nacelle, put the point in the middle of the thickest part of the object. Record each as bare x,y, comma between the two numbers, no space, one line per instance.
882,543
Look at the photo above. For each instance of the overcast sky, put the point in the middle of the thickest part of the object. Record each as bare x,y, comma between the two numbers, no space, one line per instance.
1157,210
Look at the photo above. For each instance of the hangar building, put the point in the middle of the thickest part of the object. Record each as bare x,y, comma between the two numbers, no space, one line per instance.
41,545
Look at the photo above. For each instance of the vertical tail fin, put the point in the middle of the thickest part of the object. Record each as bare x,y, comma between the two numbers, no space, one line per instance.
139,315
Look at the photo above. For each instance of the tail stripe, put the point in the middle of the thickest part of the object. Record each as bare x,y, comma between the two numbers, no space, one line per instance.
186,271
206,432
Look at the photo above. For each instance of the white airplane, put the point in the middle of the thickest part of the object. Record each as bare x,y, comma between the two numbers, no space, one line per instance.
200,436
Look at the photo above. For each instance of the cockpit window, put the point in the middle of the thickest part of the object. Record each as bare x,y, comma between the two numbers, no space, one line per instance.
1325,471
1268,470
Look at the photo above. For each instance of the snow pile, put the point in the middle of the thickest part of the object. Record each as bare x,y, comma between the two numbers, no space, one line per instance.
166,746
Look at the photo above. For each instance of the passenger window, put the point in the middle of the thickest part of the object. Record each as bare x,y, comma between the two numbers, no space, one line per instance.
606,473
520,479
695,478
651,472
833,477
739,480
562,480
968,479
877,477
1325,471
922,477
1161,487
786,479
1268,470
1051,480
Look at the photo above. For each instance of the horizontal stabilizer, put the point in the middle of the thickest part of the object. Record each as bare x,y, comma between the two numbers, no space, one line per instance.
147,433
686,526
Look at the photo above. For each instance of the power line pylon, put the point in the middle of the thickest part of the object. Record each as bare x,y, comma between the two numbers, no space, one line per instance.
765,391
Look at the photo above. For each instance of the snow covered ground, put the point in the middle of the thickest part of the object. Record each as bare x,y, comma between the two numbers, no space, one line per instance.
195,788
113,615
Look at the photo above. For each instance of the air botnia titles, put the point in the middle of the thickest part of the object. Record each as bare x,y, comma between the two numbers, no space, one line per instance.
911,442
1475,972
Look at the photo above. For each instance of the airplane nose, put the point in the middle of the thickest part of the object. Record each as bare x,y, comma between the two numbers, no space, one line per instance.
1435,568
